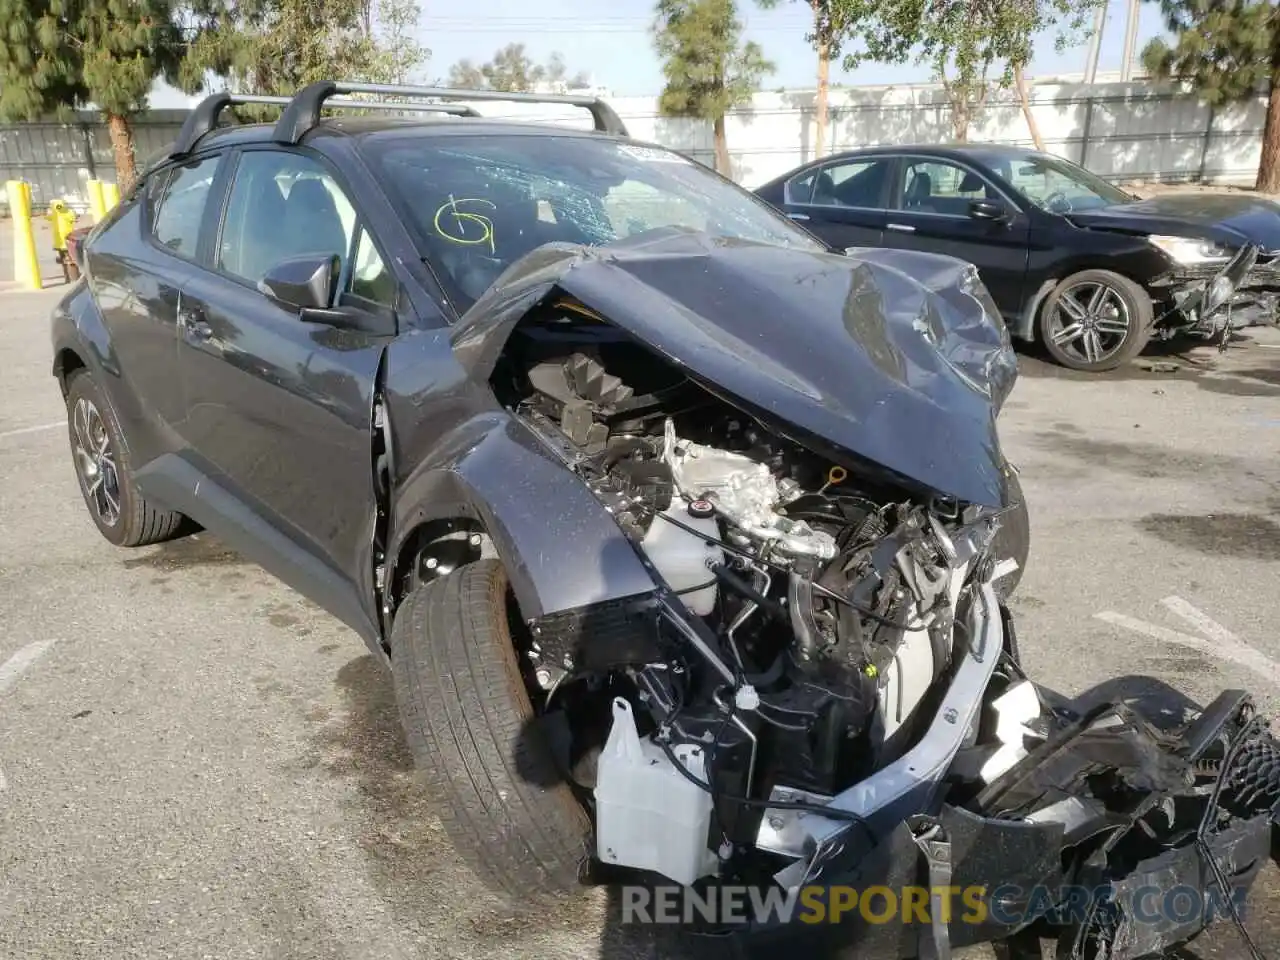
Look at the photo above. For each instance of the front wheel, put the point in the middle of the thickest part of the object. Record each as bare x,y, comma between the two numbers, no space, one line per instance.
1096,320
469,722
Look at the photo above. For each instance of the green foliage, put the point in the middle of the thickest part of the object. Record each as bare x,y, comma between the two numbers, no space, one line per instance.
962,40
278,46
398,56
1226,49
512,70
707,67
830,23
57,55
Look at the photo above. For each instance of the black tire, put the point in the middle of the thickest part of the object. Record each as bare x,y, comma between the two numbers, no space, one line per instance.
466,715
1013,539
134,522
1137,314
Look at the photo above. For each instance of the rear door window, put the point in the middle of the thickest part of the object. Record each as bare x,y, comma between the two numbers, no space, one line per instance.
853,183
177,219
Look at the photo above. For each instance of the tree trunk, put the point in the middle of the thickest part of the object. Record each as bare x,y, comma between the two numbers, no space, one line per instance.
1269,165
723,164
122,147
1021,83
824,82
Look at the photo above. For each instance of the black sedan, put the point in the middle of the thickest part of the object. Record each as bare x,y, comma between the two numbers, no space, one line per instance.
1071,260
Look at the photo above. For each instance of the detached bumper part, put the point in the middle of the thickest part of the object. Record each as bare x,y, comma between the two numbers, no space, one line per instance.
1049,857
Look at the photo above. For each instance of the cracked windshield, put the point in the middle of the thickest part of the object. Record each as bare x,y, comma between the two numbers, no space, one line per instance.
477,205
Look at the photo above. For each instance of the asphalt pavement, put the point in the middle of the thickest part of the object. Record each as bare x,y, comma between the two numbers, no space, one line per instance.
195,762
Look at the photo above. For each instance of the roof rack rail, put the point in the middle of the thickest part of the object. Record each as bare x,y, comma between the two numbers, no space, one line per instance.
303,112
207,112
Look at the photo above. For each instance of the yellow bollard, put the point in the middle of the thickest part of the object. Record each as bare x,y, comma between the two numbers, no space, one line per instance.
26,267
62,220
97,201
110,196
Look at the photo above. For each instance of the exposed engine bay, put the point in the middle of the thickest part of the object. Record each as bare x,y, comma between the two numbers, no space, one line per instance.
828,661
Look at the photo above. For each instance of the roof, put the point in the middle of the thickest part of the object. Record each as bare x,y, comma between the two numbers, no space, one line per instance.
935,149
388,128
301,114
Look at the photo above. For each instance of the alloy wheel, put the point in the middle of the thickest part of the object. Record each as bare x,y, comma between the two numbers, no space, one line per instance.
1090,322
96,462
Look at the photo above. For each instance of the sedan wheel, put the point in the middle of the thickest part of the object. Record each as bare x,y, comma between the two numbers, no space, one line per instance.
1096,320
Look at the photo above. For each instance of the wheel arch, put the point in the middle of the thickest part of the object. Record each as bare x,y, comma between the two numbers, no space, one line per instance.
492,487
1137,264
66,361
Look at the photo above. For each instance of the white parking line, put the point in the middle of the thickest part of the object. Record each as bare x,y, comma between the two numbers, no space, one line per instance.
15,667
21,661
22,431
1221,642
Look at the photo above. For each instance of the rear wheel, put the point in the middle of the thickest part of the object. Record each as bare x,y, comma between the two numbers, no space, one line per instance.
469,722
116,506
1096,320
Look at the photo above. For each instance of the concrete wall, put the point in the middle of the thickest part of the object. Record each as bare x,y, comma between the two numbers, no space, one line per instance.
1119,130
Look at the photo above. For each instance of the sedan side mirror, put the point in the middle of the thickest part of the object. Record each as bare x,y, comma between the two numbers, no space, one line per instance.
305,282
992,210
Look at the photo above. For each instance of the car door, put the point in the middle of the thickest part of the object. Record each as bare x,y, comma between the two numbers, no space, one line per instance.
138,266
932,209
280,408
842,202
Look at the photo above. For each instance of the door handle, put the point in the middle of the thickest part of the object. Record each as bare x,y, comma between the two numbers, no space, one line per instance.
798,216
901,227
194,323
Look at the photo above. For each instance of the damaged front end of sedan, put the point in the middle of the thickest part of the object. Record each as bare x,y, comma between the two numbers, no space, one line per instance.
1214,299
822,691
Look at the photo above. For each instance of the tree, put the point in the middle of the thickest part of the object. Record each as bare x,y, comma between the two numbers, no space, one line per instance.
513,70
829,26
392,28
57,56
708,69
278,46
963,40
1228,50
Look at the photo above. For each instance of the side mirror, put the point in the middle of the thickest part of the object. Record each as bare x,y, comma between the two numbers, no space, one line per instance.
992,210
305,282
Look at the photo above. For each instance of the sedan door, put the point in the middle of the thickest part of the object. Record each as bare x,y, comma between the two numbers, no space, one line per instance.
939,206
281,407
842,202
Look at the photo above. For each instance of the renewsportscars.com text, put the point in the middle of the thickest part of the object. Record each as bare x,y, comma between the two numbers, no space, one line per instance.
1007,905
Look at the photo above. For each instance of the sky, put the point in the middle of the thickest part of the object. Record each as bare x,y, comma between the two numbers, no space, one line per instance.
611,42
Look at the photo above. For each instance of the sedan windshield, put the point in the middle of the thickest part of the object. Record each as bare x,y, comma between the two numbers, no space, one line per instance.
1053,184
478,204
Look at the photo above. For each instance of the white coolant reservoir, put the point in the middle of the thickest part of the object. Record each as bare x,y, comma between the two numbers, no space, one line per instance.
648,815
684,559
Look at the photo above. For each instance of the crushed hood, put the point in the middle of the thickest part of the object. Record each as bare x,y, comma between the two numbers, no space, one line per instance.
1226,218
899,358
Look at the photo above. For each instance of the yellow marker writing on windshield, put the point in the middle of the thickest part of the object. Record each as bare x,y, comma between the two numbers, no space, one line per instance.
457,231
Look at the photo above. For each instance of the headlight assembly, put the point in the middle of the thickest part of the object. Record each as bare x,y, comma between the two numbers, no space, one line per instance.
1189,251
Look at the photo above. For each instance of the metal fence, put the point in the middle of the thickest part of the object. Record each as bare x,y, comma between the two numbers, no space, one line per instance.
1122,131
58,158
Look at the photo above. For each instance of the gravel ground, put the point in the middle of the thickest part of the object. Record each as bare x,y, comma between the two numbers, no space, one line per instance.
198,763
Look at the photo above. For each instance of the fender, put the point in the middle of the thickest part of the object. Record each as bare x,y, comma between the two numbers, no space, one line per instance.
80,338
561,548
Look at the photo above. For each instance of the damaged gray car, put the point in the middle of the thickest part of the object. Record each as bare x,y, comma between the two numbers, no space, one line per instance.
687,539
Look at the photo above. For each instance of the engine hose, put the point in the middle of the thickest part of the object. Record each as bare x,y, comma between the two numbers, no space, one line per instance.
731,579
